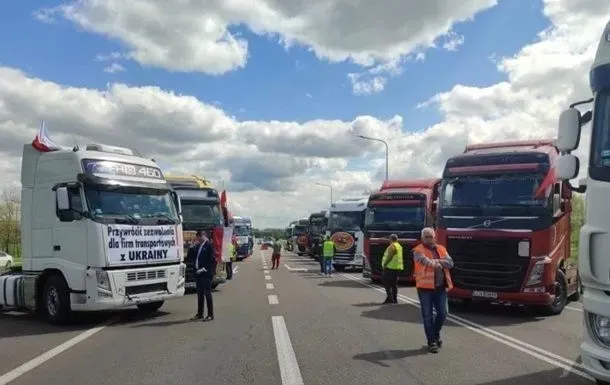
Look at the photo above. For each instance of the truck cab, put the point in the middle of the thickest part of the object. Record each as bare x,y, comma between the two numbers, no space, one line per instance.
505,219
244,236
301,236
201,210
100,230
399,207
345,228
317,229
594,242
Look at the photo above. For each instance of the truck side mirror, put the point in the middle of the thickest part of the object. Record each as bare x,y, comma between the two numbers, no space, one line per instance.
568,167
63,199
570,123
177,202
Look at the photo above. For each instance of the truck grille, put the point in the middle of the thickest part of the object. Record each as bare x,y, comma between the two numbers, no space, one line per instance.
377,255
142,289
487,264
145,275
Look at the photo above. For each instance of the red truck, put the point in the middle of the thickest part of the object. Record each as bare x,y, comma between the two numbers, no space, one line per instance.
505,219
403,208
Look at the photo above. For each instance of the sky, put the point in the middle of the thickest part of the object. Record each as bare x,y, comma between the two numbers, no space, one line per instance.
266,97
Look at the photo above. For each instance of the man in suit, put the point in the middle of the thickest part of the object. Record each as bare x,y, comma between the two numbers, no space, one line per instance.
202,253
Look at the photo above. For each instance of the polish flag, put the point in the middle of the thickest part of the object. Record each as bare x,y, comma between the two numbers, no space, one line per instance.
43,141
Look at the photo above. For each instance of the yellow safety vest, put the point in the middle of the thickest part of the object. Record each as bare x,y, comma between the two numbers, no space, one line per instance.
396,261
328,250
232,252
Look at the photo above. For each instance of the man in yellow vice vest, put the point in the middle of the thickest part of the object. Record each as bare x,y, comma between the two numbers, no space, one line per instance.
432,263
233,258
328,253
392,264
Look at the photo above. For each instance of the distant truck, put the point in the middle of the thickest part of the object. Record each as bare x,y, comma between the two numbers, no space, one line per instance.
345,227
201,210
316,230
244,236
289,234
100,230
300,237
403,208
505,219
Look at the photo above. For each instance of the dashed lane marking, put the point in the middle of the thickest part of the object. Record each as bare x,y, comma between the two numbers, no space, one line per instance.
269,286
273,300
289,367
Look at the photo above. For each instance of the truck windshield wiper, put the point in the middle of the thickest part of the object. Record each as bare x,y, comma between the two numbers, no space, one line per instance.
126,218
165,219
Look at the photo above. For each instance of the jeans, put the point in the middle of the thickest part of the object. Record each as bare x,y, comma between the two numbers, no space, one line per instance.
429,299
328,265
322,261
204,291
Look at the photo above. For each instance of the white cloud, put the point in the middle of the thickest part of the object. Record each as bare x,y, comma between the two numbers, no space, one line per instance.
114,68
197,36
270,168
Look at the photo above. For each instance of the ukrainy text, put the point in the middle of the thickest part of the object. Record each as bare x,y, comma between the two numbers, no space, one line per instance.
141,244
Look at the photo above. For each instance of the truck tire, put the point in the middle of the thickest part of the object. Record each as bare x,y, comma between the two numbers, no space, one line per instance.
56,300
561,295
339,267
150,307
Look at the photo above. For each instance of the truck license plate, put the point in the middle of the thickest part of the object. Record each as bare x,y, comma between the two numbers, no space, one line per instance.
484,294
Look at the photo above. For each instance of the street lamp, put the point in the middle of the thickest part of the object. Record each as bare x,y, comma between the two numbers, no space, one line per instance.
331,190
387,151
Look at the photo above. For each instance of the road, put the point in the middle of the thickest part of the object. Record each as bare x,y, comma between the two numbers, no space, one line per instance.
292,326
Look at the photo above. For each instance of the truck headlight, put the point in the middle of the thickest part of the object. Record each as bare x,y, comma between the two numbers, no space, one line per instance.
536,274
103,281
600,328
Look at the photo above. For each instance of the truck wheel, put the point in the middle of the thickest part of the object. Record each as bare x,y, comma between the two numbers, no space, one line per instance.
339,267
150,307
56,300
561,295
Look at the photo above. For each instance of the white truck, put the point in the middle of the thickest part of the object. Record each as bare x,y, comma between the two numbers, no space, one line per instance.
244,236
100,230
346,229
593,260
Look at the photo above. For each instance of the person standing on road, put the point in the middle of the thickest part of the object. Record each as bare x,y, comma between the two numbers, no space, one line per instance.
432,263
232,256
275,255
392,264
328,253
205,267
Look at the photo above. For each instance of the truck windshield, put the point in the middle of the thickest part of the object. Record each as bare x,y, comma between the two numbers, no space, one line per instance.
492,191
241,231
112,203
600,137
414,215
299,230
346,220
197,213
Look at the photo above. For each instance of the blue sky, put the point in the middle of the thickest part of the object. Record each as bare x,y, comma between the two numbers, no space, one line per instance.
275,82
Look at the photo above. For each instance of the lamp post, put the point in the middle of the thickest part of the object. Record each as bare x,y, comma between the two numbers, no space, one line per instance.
331,190
387,151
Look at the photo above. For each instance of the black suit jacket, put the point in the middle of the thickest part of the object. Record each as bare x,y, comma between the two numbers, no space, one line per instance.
206,259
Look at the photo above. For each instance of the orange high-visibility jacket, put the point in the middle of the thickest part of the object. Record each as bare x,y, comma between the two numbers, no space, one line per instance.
424,273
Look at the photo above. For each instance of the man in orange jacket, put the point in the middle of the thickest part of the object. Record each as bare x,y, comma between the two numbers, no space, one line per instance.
432,279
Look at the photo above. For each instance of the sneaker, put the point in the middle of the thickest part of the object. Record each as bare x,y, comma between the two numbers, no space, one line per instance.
433,347
439,343
197,317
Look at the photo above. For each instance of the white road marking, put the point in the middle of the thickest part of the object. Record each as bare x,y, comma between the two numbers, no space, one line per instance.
289,367
273,300
235,269
534,351
266,271
295,268
269,286
44,357
267,277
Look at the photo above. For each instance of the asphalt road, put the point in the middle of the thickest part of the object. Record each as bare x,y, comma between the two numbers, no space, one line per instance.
294,327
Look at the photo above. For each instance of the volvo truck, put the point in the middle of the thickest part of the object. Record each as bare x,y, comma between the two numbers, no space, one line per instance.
594,243
100,230
300,236
403,208
345,228
505,219
201,210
